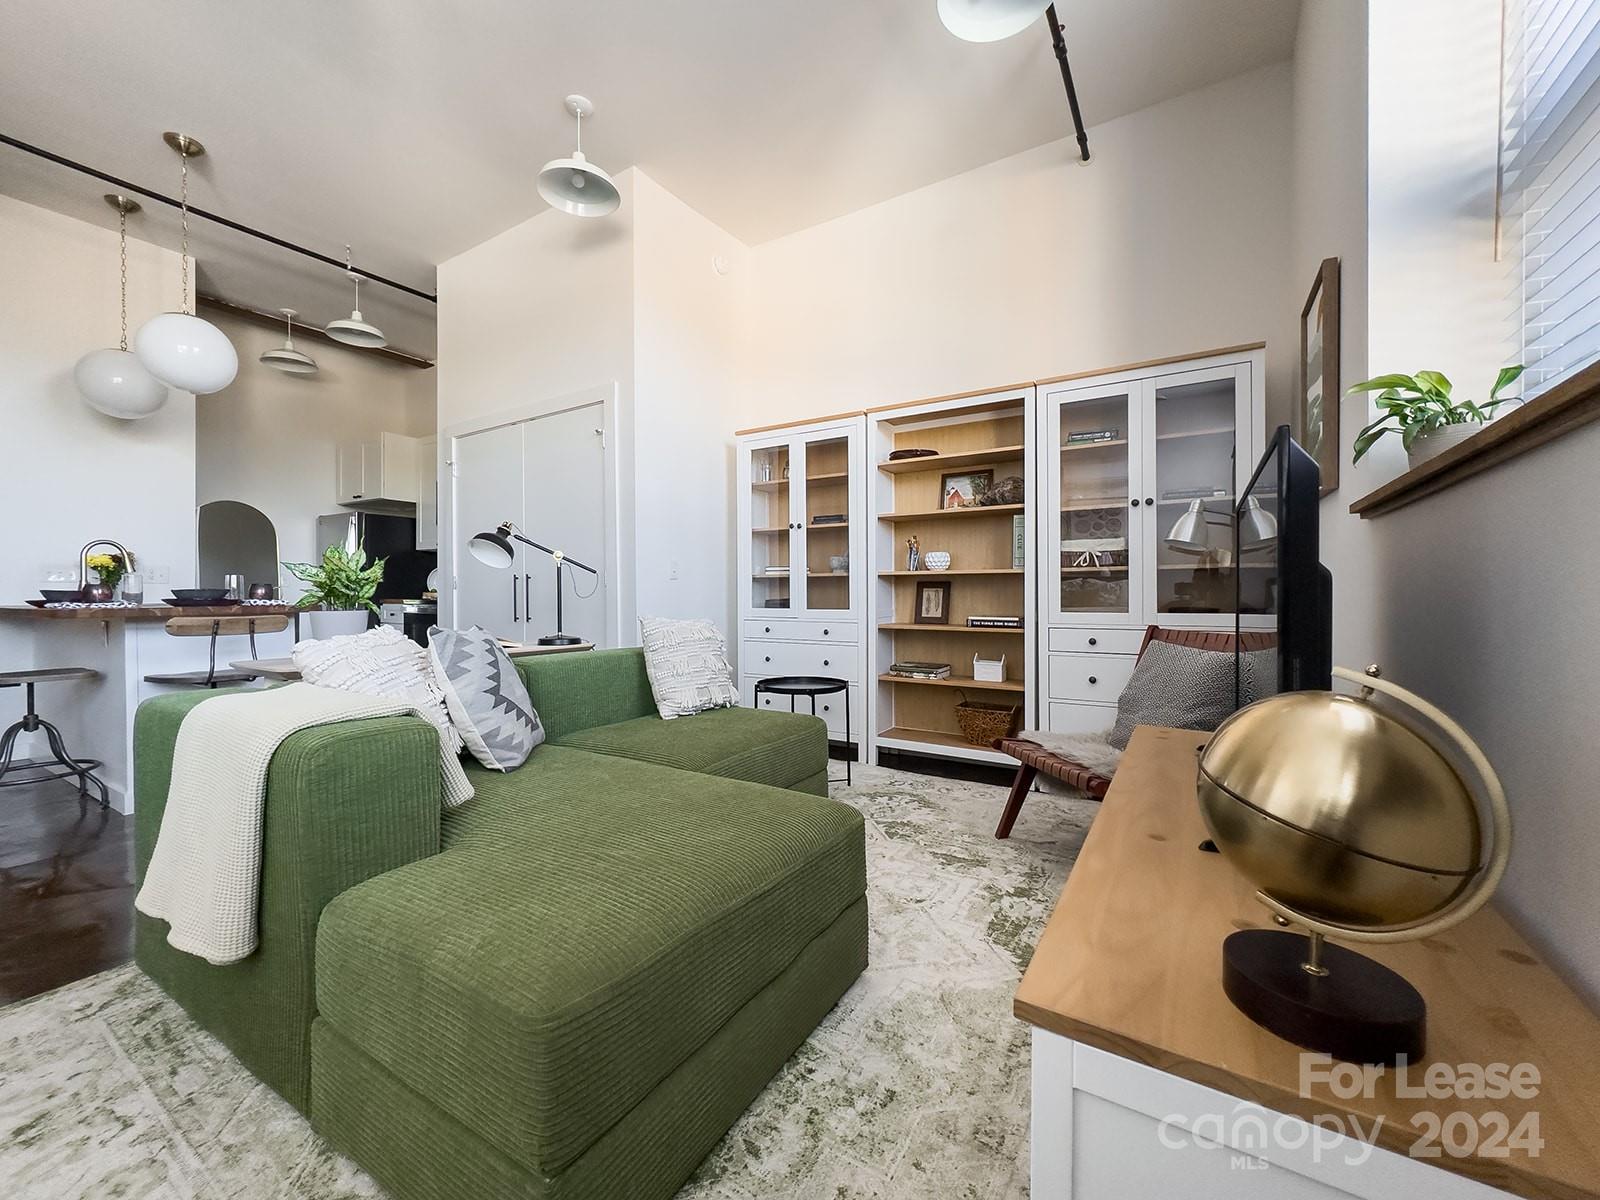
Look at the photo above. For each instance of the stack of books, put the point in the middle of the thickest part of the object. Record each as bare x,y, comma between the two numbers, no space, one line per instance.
921,670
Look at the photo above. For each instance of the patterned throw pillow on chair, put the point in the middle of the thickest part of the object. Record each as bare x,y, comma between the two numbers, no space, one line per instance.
1180,686
488,702
687,662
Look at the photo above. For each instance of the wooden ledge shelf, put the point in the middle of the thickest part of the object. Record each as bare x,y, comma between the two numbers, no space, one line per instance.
957,681
951,571
1105,445
963,458
913,627
971,510
1569,405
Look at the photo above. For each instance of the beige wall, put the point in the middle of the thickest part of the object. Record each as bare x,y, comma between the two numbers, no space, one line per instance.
1172,240
271,439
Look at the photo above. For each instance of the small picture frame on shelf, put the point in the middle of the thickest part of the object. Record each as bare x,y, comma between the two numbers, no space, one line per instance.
1316,415
933,603
962,489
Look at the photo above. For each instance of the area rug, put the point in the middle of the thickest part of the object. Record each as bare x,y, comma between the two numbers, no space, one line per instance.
916,1085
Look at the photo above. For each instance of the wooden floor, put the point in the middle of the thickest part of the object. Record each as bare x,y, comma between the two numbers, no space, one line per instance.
66,889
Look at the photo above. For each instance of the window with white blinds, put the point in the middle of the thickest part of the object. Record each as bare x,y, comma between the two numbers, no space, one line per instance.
1550,182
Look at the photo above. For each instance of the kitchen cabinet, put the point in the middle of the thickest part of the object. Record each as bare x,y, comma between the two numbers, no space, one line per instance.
428,493
379,473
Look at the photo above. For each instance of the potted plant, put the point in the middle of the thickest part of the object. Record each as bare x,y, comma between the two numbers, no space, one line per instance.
1420,409
339,590
110,568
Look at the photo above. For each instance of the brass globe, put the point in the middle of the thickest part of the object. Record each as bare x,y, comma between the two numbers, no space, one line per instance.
1340,812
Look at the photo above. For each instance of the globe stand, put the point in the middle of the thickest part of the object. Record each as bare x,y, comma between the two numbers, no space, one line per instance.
1323,997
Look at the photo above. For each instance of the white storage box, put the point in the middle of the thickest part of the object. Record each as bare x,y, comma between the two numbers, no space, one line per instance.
989,670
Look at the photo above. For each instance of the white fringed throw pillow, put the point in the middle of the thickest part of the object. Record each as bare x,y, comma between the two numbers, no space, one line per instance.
379,662
687,662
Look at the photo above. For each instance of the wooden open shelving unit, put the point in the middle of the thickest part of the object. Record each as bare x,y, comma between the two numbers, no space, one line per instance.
989,432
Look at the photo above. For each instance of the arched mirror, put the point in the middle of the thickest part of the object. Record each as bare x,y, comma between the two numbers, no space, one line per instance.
236,539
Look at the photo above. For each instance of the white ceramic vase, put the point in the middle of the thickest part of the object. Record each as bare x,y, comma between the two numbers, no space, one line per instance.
1437,441
937,560
327,623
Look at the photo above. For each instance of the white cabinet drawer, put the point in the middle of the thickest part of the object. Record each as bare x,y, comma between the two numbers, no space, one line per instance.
765,659
1093,678
792,629
1081,718
1089,640
830,708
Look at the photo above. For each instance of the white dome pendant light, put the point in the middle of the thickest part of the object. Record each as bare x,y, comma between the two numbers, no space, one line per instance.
179,348
354,330
285,357
114,381
575,185
989,20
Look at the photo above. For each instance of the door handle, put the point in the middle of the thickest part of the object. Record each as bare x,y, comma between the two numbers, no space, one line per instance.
527,597
514,616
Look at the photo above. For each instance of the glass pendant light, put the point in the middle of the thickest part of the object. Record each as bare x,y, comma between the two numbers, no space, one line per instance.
286,357
575,185
114,381
354,330
179,348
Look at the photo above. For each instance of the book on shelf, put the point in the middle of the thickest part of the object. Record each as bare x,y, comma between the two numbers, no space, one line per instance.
1093,435
994,622
831,519
920,670
1199,493
1019,542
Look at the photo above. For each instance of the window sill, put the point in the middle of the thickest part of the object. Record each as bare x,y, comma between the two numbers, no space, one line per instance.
1567,406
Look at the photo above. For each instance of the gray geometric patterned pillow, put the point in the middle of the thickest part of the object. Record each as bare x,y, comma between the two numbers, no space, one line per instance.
687,662
486,697
1180,686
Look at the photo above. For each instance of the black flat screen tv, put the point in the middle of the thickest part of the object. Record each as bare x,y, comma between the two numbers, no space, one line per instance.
1285,595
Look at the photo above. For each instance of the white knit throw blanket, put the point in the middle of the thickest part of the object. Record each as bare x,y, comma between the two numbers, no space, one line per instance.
204,877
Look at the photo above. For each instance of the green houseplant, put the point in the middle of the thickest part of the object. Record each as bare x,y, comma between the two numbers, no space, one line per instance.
1422,411
339,590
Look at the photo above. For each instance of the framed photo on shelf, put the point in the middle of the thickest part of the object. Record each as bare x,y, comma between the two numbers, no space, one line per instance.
961,489
1316,415
933,603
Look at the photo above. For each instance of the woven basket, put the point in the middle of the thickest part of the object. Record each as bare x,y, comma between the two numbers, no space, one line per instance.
982,724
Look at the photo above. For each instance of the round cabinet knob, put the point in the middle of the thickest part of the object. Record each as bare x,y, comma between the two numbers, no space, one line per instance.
825,662
824,633
768,658
1150,500
1094,641
824,708
766,629
1134,502
1092,679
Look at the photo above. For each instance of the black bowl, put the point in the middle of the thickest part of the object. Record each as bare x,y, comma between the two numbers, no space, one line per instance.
201,595
60,596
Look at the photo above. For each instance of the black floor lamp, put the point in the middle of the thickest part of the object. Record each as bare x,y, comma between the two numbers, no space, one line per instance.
494,549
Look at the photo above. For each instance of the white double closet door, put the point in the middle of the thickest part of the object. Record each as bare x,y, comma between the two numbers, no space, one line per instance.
547,475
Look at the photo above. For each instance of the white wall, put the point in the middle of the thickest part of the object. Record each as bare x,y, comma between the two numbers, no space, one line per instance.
1171,240
67,473
270,439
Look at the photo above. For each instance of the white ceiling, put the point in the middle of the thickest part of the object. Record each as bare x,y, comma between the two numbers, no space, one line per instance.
415,129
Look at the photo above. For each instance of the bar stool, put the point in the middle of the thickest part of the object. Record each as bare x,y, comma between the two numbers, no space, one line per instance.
80,768
214,627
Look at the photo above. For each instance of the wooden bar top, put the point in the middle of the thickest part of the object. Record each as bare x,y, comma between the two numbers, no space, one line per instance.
144,612
1131,963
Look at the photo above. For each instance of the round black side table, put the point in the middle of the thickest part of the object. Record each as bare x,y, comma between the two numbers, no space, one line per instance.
813,686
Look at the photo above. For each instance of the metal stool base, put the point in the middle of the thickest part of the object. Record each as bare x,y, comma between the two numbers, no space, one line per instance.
81,769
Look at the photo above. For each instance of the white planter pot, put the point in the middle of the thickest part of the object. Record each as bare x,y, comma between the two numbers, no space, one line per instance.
1436,442
336,622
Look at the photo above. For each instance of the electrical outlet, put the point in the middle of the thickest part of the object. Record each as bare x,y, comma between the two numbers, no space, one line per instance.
160,573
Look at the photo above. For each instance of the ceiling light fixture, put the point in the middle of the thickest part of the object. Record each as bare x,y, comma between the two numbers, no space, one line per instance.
115,382
575,185
179,348
995,20
354,330
285,357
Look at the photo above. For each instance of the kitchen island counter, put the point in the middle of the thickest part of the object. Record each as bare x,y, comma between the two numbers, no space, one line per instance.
143,612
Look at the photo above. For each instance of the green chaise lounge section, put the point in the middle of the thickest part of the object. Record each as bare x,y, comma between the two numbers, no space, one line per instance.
568,987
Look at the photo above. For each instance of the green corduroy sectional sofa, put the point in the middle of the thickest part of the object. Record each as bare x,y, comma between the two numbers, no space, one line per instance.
569,987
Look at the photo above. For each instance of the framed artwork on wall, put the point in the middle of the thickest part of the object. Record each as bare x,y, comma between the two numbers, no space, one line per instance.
933,603
1316,414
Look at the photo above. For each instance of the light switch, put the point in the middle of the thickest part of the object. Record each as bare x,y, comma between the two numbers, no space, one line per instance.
158,573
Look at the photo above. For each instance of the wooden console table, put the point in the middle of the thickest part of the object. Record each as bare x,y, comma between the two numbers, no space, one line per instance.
1147,1081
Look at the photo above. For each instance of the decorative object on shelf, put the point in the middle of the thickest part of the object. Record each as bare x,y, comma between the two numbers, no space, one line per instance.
988,670
913,554
985,724
262,591
494,549
1019,542
920,670
575,185
133,588
1096,523
96,595
1316,418
343,584
285,357
963,489
764,471
933,603
937,560
839,564
1086,437
179,348
354,330
911,452
1009,490
234,583
115,382
1420,409
110,568
1299,792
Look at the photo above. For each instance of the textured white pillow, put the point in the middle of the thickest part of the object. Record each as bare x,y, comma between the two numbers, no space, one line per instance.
687,662
379,662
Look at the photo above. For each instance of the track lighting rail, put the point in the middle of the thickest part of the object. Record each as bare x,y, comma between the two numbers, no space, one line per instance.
123,185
